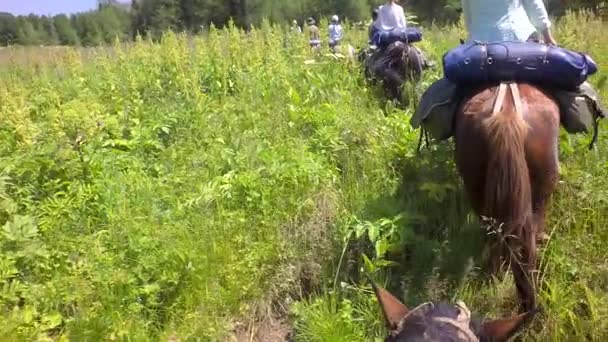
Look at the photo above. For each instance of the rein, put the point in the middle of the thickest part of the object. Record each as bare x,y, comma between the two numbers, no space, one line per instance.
461,322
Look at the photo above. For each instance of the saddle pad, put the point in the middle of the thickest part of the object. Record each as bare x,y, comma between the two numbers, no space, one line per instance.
577,112
385,38
482,63
437,108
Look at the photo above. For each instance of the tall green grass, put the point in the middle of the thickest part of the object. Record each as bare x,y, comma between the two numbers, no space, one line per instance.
183,189
177,189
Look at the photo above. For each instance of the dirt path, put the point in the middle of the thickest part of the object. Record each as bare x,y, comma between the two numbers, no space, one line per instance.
270,330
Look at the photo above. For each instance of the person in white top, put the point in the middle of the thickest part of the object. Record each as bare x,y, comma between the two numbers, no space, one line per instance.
516,20
295,28
507,20
390,17
335,31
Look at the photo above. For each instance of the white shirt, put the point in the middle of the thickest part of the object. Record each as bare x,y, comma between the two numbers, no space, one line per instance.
504,20
390,17
335,32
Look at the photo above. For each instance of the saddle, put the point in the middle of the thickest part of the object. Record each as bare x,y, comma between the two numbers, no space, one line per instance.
468,66
480,63
385,38
579,109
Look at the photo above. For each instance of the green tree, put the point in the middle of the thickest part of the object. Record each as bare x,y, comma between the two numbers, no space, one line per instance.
138,25
8,29
87,27
160,15
113,22
48,31
66,34
26,32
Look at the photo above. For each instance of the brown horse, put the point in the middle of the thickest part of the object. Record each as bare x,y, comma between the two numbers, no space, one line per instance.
506,152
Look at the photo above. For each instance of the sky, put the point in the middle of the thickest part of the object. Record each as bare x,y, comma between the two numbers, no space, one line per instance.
24,7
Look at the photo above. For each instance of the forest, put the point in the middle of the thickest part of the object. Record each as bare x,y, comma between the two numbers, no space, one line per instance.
113,19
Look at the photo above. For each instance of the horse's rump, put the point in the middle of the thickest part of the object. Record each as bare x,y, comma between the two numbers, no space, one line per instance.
506,154
497,119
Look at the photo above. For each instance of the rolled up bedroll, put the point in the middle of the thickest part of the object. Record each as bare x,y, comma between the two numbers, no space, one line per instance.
479,63
385,38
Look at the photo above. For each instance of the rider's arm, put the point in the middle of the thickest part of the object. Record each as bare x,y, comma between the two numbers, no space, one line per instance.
402,21
537,12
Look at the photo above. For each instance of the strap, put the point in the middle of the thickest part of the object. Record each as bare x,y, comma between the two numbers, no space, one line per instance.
598,114
463,327
420,139
516,98
596,130
500,98
423,134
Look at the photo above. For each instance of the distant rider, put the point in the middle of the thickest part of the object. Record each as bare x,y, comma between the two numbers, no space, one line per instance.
391,17
336,33
314,35
295,28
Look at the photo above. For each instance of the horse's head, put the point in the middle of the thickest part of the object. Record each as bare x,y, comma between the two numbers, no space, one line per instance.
443,322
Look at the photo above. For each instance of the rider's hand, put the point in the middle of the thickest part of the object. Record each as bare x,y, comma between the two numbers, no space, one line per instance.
548,37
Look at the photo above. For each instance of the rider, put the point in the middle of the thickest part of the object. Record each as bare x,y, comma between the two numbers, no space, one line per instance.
295,28
314,35
390,17
335,32
496,21
511,20
514,20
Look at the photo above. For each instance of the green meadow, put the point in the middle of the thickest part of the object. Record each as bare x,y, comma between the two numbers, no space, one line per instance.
215,187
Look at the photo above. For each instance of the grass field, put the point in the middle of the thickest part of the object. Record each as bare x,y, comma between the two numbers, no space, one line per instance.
210,188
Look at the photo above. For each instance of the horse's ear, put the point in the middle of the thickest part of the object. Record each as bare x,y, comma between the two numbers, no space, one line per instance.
503,329
461,41
392,308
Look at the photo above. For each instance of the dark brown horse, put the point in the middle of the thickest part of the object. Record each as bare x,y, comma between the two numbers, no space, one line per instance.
392,67
506,152
444,322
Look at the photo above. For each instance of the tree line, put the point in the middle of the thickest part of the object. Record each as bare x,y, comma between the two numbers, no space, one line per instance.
109,21
113,19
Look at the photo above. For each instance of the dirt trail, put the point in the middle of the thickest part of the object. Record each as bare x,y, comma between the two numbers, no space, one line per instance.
270,330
